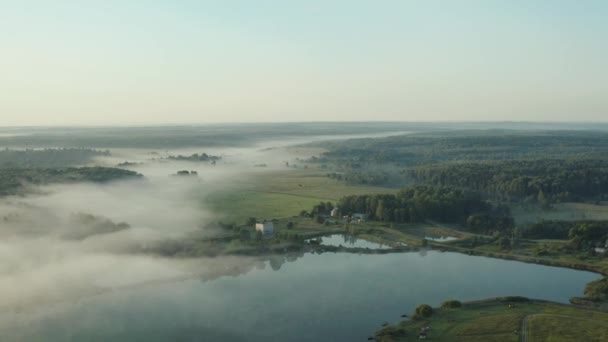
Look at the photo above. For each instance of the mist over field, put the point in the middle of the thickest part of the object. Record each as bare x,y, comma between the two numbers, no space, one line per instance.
66,241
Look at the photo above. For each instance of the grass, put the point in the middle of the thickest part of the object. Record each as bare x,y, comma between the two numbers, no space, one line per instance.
237,206
561,212
494,320
281,194
561,328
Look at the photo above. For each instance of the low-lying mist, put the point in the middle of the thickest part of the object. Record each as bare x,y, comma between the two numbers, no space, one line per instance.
63,242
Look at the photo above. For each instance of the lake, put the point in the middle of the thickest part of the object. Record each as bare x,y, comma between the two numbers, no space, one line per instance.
317,297
350,241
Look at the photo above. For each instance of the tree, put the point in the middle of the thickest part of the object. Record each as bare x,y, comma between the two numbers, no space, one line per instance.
251,221
380,210
542,199
515,237
503,242
423,311
451,304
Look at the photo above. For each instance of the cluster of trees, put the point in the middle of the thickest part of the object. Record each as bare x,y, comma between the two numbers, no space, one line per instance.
543,181
587,235
13,180
423,202
89,225
582,235
415,204
494,220
47,158
186,173
318,212
422,311
597,290
550,229
451,304
203,157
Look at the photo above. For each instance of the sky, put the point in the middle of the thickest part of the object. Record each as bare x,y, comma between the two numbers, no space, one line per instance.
132,62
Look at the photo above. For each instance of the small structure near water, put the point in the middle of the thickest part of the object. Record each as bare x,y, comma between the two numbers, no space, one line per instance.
359,217
266,227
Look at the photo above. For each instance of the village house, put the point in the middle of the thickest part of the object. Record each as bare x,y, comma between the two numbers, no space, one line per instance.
359,217
265,227
334,212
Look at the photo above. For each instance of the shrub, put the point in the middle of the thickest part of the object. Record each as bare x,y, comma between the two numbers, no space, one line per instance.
597,290
451,304
423,311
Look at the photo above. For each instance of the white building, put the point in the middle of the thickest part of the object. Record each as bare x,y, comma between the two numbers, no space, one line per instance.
264,227
334,212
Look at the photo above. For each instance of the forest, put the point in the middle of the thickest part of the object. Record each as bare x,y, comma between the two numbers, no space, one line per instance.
543,181
196,157
419,203
426,148
48,157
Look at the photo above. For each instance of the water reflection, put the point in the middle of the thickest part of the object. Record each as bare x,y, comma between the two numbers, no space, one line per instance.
441,238
350,241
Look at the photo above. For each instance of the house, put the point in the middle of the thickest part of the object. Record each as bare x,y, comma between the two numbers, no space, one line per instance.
334,212
359,217
265,227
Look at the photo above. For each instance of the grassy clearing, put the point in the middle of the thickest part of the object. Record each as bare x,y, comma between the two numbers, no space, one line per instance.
237,206
562,212
281,194
494,320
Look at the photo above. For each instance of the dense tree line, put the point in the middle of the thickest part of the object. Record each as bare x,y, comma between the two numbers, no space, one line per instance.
419,149
545,180
47,158
203,157
587,235
582,235
549,230
12,180
421,202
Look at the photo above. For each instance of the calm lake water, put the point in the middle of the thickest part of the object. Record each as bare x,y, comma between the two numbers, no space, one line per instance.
441,238
326,297
350,241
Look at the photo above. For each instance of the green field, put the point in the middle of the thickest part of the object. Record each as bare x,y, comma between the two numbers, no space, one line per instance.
281,194
495,320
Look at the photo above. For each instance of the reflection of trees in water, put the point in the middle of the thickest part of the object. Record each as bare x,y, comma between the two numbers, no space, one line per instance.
277,260
350,239
245,265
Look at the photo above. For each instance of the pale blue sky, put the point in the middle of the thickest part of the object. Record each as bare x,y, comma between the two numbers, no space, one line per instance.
153,62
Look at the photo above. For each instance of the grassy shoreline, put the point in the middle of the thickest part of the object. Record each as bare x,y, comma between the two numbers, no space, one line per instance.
503,319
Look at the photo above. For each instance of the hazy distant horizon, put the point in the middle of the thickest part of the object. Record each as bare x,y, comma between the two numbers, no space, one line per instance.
202,124
186,62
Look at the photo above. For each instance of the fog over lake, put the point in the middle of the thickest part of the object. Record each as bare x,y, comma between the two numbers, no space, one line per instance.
327,297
